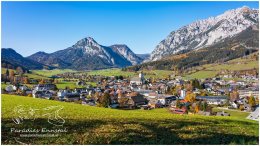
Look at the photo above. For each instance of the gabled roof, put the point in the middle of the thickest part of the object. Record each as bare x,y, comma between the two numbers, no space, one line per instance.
138,98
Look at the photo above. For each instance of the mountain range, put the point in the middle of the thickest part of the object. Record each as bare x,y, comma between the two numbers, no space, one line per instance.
86,54
227,36
11,59
207,32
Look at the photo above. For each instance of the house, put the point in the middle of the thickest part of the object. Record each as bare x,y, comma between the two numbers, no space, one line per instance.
248,92
80,83
81,90
42,94
166,100
179,110
136,100
153,103
145,107
62,93
234,105
152,95
138,80
183,94
145,92
23,87
163,88
213,100
10,88
72,97
42,87
89,102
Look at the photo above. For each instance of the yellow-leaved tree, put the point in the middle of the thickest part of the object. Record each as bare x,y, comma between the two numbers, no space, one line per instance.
190,97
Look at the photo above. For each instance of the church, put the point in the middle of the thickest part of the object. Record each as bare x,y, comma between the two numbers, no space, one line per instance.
138,80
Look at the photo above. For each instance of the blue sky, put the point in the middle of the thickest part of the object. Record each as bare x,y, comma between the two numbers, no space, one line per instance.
29,27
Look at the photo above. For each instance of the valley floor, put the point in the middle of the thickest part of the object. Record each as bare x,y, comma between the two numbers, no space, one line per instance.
94,125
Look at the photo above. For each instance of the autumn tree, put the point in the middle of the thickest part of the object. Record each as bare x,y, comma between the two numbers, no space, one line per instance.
251,101
122,101
26,80
197,108
189,87
11,73
203,93
234,95
97,95
175,90
190,97
42,81
104,101
178,104
241,107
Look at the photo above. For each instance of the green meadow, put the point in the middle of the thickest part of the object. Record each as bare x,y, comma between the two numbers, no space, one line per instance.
95,125
211,70
48,73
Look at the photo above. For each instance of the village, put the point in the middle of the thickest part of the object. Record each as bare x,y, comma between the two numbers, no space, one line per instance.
178,95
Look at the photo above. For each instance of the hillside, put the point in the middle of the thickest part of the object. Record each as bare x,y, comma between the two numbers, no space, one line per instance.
11,59
208,32
93,125
242,44
211,70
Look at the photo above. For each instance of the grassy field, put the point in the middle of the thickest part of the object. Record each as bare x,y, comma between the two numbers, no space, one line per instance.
118,72
157,74
112,72
94,125
35,76
233,113
48,73
201,75
210,70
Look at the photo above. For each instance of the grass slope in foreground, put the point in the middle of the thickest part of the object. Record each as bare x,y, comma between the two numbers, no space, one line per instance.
94,125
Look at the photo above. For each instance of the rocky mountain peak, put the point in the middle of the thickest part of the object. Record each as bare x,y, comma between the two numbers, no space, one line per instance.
88,41
127,53
203,33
